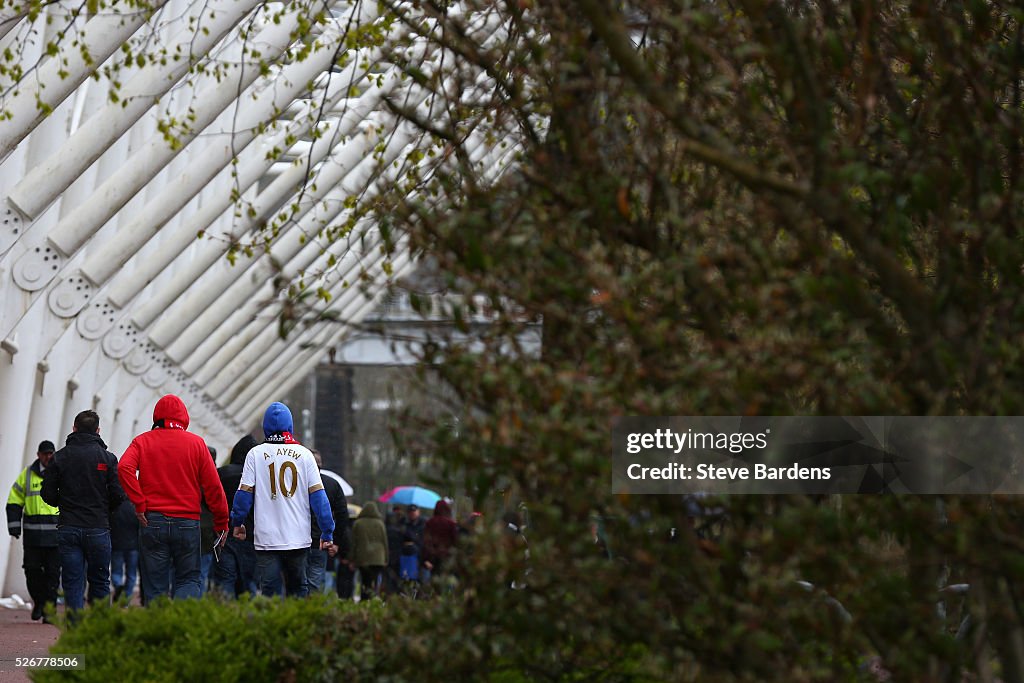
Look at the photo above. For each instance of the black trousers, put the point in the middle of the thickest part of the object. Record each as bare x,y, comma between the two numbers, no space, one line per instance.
344,582
42,574
368,577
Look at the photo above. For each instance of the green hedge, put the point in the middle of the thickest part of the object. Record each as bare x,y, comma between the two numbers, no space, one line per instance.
322,639
319,639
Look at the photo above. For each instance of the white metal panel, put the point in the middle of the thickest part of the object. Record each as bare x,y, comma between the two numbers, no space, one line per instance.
103,35
348,302
145,163
300,363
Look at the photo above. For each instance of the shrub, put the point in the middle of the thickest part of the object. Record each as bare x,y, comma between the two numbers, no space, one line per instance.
319,639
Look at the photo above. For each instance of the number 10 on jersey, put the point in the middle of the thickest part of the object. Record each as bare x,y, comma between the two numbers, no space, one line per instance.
286,490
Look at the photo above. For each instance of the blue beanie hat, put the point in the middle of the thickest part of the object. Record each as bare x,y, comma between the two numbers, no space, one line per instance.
277,419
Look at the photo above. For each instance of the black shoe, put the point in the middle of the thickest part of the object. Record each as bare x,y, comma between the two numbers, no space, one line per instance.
118,592
37,612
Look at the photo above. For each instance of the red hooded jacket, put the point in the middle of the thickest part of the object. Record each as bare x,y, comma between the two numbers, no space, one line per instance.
174,468
440,534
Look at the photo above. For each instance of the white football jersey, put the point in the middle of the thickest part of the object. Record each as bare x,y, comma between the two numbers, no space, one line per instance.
281,477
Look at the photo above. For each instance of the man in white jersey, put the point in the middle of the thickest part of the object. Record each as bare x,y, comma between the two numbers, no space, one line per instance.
281,478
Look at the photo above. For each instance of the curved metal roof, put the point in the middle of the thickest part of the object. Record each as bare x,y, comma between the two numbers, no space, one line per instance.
166,170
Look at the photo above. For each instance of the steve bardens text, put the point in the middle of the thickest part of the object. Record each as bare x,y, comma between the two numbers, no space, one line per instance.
677,471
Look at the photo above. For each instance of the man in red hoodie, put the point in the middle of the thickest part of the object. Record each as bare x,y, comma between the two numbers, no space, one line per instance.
166,472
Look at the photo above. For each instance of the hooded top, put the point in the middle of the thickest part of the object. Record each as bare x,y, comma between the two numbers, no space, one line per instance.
170,413
281,483
231,475
442,509
369,538
241,449
169,470
369,510
440,533
277,423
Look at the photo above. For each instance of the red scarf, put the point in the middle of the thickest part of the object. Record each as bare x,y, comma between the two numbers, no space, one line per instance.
168,424
281,437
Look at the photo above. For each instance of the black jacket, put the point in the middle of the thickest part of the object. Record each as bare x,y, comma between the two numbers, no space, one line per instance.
231,476
82,482
412,532
124,528
396,534
339,509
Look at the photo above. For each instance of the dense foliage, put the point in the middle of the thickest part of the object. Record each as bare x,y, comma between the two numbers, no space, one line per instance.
725,208
711,208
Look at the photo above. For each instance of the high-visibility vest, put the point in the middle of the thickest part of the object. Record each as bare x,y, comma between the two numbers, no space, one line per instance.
28,513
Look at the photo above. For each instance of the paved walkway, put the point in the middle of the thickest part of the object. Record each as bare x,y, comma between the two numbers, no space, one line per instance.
21,637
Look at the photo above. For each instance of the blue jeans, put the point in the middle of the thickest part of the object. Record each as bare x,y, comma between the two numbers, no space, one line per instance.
270,564
329,576
84,553
236,571
166,544
205,562
316,569
124,569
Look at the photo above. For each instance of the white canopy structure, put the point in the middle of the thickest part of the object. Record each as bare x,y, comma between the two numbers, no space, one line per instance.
140,147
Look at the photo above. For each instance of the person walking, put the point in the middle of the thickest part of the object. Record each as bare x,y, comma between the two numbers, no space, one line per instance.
394,523
236,572
369,549
440,534
281,481
344,571
82,482
316,558
27,512
207,538
124,551
412,530
166,473
412,544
